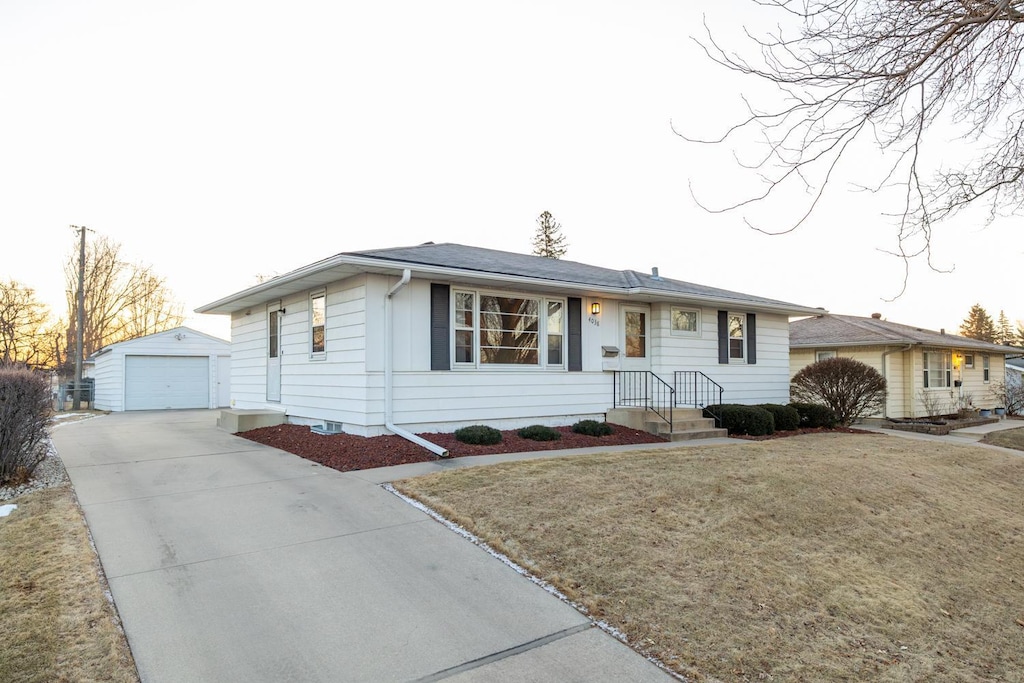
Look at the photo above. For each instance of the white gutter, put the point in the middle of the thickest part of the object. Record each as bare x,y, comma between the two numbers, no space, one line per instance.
885,376
388,352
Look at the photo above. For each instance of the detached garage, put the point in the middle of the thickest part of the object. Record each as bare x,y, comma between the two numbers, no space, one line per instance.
179,368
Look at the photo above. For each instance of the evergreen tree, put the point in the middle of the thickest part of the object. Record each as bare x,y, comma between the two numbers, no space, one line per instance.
549,241
1004,331
978,325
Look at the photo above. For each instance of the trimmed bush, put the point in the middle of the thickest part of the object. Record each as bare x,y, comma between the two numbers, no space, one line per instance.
743,419
24,414
540,433
786,417
592,428
850,388
480,435
813,415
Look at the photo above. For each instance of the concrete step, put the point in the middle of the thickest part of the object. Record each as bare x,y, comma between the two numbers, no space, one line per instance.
687,423
689,434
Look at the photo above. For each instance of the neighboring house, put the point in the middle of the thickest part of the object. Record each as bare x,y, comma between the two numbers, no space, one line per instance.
928,373
179,368
438,336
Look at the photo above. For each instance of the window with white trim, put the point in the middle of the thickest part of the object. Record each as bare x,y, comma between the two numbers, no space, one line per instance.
985,369
317,322
685,321
968,360
506,330
937,370
824,355
737,342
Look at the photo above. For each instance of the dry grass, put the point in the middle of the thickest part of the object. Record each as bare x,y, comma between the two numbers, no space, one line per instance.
822,557
56,624
1008,438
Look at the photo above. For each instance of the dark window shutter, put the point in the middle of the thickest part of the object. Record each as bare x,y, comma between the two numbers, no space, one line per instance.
440,320
751,333
575,334
723,337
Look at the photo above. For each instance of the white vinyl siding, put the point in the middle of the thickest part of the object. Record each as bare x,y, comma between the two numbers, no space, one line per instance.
766,381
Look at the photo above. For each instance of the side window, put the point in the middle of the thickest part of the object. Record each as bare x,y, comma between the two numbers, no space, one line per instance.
822,355
985,368
317,321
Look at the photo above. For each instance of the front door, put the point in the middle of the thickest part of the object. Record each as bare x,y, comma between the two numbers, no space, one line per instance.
274,355
636,346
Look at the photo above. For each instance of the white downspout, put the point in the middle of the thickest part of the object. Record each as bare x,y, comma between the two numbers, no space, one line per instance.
885,376
388,352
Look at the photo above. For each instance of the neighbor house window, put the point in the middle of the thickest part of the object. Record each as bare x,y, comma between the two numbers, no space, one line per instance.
317,321
824,355
937,370
736,340
968,360
492,329
685,321
985,368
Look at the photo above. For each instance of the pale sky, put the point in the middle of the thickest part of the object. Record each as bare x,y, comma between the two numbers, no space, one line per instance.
221,140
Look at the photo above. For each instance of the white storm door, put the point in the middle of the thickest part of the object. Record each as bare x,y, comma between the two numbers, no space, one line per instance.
636,343
274,356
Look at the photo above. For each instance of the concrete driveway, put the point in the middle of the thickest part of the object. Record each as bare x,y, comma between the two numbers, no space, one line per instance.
233,561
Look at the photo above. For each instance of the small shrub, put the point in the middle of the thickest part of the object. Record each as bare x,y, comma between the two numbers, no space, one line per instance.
480,435
786,417
540,433
592,428
743,419
813,415
24,413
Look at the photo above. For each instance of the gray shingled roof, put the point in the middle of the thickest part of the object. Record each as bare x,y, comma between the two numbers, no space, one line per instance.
848,330
482,260
475,264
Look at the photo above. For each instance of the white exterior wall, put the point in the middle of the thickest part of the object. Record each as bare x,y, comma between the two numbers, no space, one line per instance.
314,387
766,381
109,368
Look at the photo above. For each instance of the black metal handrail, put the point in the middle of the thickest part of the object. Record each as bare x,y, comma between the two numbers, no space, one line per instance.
694,388
643,389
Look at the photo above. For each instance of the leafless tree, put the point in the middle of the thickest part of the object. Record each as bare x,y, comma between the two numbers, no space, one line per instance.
26,334
883,72
122,300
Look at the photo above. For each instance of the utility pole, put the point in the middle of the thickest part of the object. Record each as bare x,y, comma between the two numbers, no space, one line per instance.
79,320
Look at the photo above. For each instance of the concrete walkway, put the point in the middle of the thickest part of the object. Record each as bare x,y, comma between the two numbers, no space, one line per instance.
233,561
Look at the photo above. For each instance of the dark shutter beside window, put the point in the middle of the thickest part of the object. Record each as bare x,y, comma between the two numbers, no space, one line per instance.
751,333
440,320
723,337
575,334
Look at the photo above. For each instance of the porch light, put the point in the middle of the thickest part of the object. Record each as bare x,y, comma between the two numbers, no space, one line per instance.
958,360
595,308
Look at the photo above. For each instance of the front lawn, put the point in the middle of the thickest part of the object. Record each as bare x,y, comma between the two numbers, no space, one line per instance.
1008,438
821,557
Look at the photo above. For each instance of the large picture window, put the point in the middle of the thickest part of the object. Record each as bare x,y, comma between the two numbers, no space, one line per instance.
499,329
937,370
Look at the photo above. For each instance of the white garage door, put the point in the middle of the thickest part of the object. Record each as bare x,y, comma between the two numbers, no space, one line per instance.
157,382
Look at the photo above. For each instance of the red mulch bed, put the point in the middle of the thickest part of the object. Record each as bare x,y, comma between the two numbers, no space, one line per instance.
798,432
347,452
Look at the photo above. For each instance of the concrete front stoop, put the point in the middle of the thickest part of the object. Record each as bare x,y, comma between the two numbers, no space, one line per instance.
234,420
687,423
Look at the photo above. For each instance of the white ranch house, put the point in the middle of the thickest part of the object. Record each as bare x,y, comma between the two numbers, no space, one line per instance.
438,336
